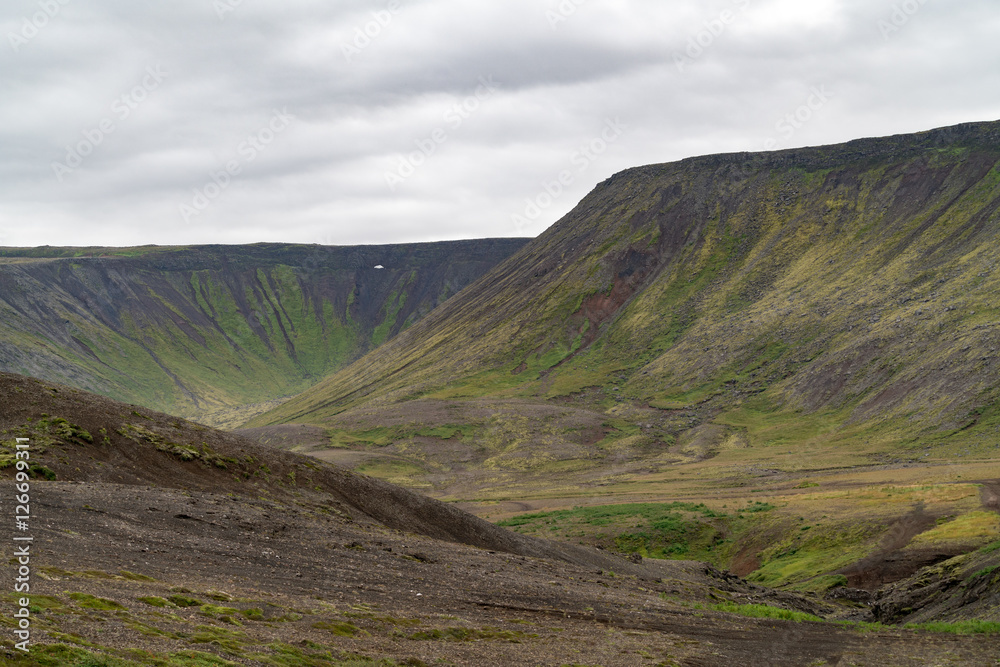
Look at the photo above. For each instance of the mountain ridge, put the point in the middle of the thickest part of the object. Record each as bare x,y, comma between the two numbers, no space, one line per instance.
202,328
967,154
698,331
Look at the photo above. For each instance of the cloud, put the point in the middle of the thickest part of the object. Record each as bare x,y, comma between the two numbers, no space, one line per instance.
376,86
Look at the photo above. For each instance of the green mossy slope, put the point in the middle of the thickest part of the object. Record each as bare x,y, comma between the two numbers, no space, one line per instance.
197,330
854,283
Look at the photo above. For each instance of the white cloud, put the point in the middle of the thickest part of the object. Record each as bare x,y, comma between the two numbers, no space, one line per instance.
323,179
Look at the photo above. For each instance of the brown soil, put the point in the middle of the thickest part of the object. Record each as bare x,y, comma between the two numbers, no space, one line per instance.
990,495
893,561
289,560
339,564
293,437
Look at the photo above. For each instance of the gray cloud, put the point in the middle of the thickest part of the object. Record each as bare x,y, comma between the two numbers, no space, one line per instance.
390,141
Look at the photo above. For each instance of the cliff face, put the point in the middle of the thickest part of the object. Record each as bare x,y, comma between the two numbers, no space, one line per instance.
195,330
855,283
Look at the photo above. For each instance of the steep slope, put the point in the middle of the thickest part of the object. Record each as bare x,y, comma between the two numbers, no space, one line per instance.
791,356
856,281
196,330
81,437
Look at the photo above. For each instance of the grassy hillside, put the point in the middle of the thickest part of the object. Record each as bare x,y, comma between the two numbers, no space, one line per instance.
202,331
701,331
857,281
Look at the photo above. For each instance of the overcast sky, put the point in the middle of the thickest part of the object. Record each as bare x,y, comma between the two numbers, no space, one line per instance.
126,122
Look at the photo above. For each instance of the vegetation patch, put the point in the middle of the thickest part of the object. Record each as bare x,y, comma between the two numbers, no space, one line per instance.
973,527
230,640
61,655
184,601
655,530
973,627
254,613
91,602
794,556
765,611
138,433
224,614
339,629
821,584
154,601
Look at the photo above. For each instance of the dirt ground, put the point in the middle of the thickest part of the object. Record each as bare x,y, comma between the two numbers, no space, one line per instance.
327,585
188,539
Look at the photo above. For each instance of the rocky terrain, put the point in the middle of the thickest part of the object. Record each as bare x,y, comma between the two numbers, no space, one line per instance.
162,542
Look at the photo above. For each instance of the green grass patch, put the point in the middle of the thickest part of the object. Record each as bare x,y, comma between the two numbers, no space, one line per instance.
154,601
339,629
765,611
974,627
985,572
61,655
231,640
794,556
821,584
970,527
88,601
224,614
184,601
655,530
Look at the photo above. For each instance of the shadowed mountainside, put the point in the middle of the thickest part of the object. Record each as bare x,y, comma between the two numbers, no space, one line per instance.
197,330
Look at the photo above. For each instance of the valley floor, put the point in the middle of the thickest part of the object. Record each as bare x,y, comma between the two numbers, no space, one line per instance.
155,576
